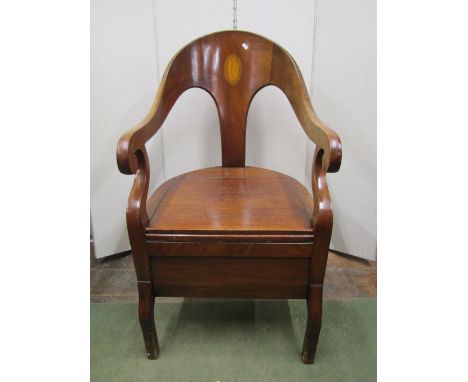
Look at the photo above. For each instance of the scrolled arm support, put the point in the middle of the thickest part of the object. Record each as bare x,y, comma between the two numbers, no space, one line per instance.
327,140
127,160
136,211
137,216
322,219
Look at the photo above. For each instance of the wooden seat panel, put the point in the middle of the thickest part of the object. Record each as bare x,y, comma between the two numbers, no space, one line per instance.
230,201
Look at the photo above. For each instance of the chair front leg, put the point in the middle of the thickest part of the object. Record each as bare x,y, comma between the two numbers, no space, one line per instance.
146,316
323,222
314,323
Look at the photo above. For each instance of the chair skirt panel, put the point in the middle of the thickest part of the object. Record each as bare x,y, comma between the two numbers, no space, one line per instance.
230,277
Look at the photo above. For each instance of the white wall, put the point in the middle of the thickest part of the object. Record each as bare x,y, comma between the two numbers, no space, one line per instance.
132,42
123,82
345,96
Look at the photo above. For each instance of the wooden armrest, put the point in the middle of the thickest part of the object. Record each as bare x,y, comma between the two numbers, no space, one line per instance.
285,74
324,137
135,139
126,150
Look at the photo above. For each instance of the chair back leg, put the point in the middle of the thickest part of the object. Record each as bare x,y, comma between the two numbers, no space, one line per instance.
314,323
146,316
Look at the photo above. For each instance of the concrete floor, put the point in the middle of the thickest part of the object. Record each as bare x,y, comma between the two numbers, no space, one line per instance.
113,279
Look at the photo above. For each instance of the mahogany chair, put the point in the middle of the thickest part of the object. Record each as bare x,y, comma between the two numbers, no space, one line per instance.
230,231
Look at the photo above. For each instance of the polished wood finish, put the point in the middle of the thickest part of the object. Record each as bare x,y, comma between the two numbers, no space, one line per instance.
231,231
220,276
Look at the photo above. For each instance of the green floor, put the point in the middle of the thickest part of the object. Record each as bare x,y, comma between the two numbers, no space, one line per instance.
239,340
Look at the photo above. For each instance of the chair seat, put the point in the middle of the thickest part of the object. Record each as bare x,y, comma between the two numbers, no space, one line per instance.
247,204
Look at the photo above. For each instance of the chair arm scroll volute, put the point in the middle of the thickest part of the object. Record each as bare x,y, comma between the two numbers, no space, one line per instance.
137,216
322,219
136,211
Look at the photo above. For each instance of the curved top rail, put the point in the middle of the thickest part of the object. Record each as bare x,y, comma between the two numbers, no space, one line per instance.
231,66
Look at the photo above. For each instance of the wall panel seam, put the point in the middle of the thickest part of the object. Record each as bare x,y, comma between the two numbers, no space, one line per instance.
308,166
158,76
234,14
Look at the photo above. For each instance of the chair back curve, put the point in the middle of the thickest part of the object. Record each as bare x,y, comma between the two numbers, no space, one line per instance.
232,66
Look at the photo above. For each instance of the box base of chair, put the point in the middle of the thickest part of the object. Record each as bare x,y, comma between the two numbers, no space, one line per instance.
230,277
